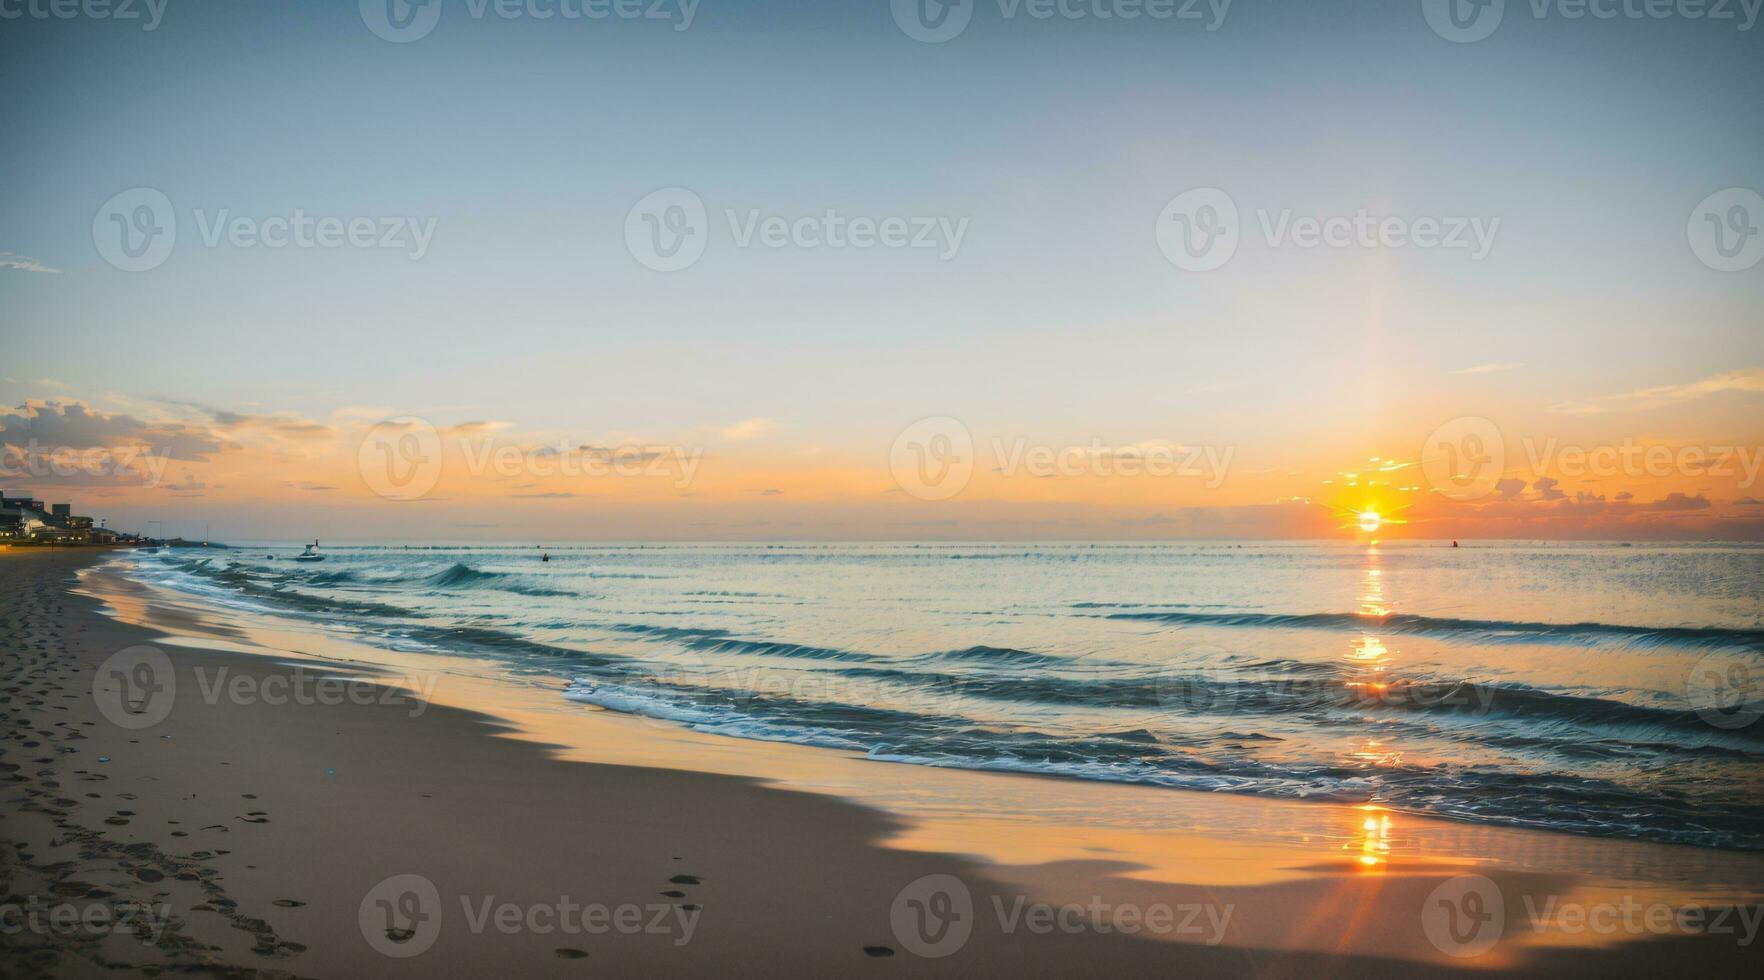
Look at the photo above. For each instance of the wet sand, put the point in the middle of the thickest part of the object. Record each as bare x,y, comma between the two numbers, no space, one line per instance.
260,820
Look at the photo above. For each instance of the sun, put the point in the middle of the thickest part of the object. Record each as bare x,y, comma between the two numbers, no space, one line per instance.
1370,521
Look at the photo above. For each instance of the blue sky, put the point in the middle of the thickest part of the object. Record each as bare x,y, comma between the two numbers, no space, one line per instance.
526,142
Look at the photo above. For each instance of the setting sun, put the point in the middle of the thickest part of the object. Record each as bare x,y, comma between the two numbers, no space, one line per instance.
1370,521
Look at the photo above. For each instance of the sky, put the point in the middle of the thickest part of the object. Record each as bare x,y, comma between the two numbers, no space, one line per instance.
777,270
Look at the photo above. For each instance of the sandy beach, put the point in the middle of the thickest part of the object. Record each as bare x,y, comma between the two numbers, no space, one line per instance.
255,831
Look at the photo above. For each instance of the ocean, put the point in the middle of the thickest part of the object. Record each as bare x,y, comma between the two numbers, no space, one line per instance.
1596,689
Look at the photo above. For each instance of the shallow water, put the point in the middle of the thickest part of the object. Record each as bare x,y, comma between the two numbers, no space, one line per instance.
1594,689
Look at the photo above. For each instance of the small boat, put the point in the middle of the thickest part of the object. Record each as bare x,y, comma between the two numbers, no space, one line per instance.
310,554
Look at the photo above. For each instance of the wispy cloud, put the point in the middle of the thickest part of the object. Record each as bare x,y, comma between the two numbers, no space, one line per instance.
23,263
1491,368
1745,379
747,429
281,423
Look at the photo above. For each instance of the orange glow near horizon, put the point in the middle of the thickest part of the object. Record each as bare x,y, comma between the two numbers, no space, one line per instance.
285,475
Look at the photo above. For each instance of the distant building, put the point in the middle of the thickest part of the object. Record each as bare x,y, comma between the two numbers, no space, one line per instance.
27,520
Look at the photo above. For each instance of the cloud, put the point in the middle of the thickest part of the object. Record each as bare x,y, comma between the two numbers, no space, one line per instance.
280,423
1677,502
1509,487
1745,379
747,429
1546,488
23,263
1491,368
476,428
75,425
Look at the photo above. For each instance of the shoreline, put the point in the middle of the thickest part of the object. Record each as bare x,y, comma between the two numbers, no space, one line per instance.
318,803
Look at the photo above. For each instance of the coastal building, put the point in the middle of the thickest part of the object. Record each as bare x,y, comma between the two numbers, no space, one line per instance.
25,520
